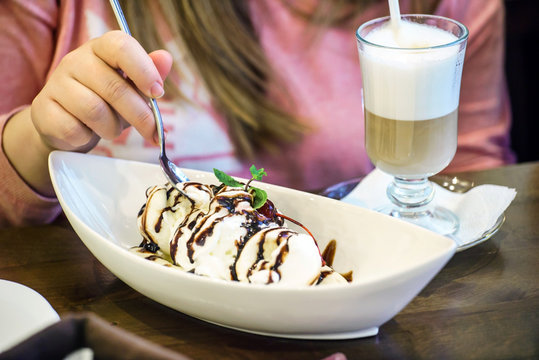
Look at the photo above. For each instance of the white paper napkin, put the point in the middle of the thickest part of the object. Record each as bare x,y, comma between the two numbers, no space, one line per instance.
478,209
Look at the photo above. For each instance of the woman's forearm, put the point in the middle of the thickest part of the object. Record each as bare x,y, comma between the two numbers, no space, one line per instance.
27,152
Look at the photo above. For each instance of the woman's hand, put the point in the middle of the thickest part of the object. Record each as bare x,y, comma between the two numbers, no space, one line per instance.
87,98
94,93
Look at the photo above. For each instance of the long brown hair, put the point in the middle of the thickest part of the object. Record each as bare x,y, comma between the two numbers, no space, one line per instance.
222,45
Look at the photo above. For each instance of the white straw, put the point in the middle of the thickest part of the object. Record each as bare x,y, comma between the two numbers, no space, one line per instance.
395,14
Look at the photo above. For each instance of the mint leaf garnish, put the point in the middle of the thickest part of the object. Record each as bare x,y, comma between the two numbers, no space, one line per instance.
259,195
257,173
226,179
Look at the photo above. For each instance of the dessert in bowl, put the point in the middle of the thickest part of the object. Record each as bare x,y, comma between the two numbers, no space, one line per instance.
391,260
230,231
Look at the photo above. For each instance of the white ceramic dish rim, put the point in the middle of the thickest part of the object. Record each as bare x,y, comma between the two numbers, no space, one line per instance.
372,283
187,275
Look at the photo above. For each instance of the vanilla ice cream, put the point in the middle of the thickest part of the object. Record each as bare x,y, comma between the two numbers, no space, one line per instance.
214,231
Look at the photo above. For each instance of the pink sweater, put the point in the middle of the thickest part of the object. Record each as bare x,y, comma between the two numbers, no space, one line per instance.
323,78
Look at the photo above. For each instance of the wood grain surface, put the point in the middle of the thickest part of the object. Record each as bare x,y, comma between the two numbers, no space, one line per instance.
483,305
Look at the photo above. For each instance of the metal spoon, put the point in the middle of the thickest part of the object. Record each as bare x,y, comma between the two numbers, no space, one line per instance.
451,183
172,172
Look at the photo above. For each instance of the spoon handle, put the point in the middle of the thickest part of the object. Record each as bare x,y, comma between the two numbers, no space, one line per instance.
172,172
118,12
122,22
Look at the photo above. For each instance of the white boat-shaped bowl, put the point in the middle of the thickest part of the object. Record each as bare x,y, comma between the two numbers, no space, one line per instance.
391,260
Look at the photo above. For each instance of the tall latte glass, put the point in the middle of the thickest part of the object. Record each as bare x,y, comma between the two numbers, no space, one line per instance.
411,84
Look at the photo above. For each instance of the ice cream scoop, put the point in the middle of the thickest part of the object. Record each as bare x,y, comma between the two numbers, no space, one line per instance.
279,255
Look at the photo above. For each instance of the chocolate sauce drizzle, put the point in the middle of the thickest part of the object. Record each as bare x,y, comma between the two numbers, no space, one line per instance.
261,263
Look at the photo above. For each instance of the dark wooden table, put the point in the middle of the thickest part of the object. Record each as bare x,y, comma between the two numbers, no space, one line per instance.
484,304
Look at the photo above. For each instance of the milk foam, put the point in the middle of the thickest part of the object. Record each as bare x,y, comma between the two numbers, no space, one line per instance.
402,81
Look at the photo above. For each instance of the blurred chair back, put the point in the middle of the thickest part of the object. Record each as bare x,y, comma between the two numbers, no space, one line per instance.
522,69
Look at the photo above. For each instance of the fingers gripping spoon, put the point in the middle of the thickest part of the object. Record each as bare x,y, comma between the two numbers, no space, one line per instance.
172,172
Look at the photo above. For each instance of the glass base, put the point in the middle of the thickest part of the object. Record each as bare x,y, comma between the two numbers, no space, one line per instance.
438,219
411,201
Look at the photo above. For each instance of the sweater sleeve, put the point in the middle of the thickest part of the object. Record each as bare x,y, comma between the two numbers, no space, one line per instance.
484,111
26,50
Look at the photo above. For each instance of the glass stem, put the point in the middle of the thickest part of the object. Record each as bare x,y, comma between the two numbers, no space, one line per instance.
411,195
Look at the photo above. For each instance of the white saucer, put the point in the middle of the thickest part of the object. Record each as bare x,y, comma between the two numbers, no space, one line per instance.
23,312
486,235
340,190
